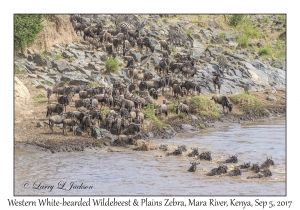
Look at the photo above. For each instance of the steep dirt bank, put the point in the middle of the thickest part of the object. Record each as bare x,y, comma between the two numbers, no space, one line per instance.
57,30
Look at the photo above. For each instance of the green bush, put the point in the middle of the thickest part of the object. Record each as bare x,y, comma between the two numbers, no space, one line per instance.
201,126
264,51
249,103
234,20
26,29
189,32
99,144
16,69
204,106
111,65
149,113
222,35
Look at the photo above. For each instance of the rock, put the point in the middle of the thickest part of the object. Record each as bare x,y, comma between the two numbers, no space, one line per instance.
78,131
22,95
30,51
39,124
41,86
61,65
93,66
96,132
150,135
136,55
271,98
196,36
107,79
35,82
32,75
96,76
84,71
187,127
67,54
194,117
46,78
31,66
75,79
155,59
39,60
52,72
77,54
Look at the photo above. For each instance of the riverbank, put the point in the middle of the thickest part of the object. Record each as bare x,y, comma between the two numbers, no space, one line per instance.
27,132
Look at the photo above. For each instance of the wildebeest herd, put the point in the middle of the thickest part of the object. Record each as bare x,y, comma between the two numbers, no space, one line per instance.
124,102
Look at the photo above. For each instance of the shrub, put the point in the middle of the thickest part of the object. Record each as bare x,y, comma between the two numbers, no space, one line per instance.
104,111
26,29
111,65
249,103
222,35
201,126
234,20
149,113
204,106
16,69
39,98
264,51
57,56
99,144
189,32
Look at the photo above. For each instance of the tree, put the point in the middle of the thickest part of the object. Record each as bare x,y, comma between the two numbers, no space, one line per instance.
26,29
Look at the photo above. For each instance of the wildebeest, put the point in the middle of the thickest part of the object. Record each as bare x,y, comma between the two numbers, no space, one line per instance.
232,159
205,156
71,123
217,82
223,101
235,172
127,139
58,119
193,167
164,45
182,108
194,152
222,169
255,167
161,109
260,174
153,93
128,104
132,129
65,100
57,108
49,93
87,123
245,165
269,162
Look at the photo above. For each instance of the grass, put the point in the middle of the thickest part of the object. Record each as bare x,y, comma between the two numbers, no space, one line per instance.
149,113
99,144
189,32
204,107
266,20
222,35
201,126
111,65
173,49
16,69
92,84
264,51
104,111
39,98
57,56
173,105
249,104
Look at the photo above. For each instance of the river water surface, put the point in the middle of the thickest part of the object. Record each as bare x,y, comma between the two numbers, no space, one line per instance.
128,172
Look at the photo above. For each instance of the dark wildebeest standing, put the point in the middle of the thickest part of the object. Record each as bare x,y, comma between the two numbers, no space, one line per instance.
222,100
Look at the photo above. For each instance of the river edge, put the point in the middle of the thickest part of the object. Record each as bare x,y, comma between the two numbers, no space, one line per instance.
80,144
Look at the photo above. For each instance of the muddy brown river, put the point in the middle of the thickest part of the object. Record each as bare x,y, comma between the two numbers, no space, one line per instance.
127,172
